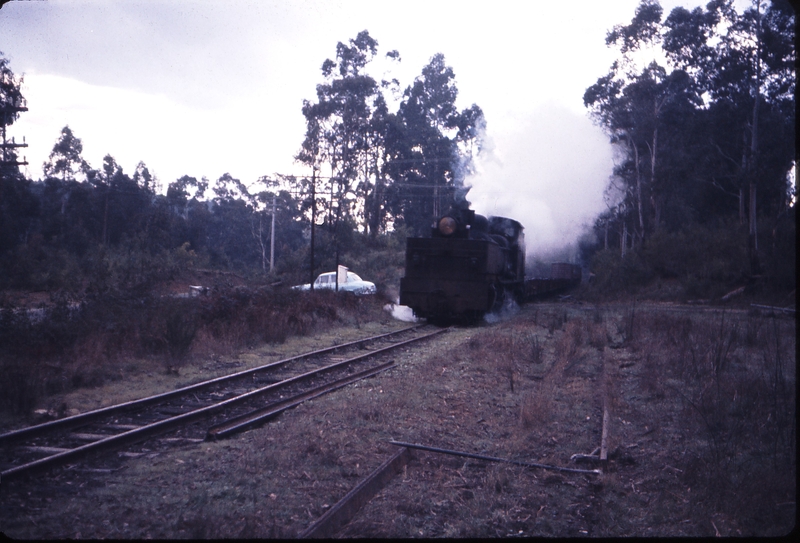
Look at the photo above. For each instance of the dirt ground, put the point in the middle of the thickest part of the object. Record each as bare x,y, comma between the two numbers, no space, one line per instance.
701,440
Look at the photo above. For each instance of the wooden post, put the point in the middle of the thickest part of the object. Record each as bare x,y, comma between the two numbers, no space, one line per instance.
313,220
604,438
272,239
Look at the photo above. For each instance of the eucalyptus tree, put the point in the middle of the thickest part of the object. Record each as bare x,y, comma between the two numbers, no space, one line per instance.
184,190
263,204
102,183
144,179
65,159
11,98
434,145
337,125
753,84
229,230
187,215
12,102
18,207
178,195
631,104
375,180
720,83
745,63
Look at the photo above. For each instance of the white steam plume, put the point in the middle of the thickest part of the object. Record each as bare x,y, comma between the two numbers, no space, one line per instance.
401,312
548,173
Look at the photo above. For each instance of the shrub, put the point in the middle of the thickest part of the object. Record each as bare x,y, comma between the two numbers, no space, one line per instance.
180,327
615,274
69,347
707,260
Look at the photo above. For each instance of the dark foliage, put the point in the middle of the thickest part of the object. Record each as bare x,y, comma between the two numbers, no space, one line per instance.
702,193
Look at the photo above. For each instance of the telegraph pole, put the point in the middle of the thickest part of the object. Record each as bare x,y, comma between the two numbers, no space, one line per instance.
272,239
313,219
6,145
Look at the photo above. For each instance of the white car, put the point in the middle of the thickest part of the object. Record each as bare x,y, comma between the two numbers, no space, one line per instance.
353,283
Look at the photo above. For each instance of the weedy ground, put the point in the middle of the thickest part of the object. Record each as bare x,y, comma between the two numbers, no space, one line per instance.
701,440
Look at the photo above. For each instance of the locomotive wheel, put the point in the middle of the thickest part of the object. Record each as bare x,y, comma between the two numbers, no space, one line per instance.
497,298
474,317
519,295
492,298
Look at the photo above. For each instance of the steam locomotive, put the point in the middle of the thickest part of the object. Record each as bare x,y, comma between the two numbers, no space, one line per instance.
468,266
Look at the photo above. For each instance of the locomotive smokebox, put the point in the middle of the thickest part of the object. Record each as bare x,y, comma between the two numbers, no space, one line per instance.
458,223
467,266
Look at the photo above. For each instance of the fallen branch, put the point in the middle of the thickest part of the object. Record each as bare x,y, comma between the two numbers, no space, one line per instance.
493,459
732,293
593,456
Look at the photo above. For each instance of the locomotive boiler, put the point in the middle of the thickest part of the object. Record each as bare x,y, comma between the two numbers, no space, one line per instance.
467,267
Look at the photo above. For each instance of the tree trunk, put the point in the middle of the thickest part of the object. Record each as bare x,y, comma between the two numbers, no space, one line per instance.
656,212
752,164
624,238
741,206
272,239
105,218
653,153
258,234
753,224
377,196
638,189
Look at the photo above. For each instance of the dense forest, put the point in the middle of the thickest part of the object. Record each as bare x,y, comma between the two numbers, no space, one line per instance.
699,106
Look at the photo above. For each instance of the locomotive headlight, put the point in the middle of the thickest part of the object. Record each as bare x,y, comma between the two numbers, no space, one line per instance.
447,225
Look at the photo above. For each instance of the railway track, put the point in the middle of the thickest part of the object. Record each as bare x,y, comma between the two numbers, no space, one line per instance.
207,410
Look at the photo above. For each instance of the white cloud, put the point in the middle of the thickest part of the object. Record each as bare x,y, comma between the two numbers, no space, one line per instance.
173,139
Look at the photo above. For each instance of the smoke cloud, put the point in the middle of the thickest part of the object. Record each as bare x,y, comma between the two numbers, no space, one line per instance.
548,172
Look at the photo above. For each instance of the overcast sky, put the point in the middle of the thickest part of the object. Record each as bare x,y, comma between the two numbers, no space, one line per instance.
208,87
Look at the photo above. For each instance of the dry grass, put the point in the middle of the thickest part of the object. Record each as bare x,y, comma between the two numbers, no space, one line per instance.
536,408
701,439
90,348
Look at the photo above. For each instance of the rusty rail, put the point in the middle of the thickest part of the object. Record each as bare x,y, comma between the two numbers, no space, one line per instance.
254,417
144,432
257,416
345,509
84,418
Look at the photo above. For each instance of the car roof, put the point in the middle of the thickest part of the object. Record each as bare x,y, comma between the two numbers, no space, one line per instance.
327,274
